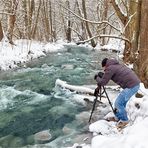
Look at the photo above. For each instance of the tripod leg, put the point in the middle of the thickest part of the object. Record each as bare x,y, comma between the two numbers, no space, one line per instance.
108,99
100,93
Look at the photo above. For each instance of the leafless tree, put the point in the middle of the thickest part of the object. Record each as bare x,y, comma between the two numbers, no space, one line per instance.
1,31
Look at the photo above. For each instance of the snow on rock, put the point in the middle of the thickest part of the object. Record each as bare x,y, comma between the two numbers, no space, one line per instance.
54,47
103,127
76,145
106,142
86,45
79,89
132,137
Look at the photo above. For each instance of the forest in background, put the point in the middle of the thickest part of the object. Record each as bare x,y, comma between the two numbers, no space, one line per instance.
81,21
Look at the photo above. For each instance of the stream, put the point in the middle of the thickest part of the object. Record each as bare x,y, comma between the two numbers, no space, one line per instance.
30,102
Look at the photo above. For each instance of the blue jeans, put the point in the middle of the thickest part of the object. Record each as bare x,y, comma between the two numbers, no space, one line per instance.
121,101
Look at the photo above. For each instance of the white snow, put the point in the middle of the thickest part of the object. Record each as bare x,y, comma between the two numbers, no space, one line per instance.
105,133
134,135
25,50
78,89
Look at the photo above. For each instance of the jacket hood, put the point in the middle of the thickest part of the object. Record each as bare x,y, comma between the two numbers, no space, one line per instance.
111,62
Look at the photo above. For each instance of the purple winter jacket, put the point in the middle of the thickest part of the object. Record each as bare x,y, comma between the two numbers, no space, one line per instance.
119,73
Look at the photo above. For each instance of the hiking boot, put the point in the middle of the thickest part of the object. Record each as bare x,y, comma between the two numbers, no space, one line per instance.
114,119
122,124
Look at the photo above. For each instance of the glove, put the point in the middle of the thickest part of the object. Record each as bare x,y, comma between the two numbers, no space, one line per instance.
96,91
115,110
100,75
95,77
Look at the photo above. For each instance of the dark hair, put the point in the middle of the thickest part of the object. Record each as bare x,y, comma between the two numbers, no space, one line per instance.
104,62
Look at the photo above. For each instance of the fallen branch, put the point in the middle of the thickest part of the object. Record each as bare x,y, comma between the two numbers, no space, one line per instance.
77,89
102,36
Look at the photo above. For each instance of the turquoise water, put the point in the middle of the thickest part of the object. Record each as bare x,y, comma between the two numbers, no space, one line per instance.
27,95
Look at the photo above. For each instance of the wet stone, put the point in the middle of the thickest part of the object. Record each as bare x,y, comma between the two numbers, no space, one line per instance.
42,137
79,147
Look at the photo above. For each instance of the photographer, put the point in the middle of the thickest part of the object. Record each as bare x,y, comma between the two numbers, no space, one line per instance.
127,80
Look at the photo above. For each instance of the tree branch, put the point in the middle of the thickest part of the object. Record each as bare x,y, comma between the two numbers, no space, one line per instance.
104,35
89,21
122,17
7,13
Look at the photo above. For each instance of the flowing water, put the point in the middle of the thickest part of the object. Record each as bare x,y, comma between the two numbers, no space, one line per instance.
30,102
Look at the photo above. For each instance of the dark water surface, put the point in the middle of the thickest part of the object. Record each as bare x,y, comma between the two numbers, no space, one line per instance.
27,95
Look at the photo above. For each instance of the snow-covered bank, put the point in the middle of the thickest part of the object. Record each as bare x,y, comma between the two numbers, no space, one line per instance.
134,135
25,50
106,134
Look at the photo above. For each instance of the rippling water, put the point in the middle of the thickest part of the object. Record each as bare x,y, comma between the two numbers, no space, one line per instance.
30,103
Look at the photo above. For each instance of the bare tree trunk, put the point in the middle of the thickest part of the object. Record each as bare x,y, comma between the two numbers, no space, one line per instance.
29,7
131,29
62,16
11,20
68,30
142,62
45,20
34,28
82,30
1,31
87,25
132,32
105,14
24,5
137,32
30,11
54,27
51,21
119,13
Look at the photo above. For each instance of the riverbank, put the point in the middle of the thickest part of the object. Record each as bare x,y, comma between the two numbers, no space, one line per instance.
22,51
12,56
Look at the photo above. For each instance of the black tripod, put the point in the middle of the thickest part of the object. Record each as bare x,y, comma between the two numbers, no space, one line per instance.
95,100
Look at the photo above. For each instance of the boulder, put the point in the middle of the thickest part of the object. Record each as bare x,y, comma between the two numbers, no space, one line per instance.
42,137
67,129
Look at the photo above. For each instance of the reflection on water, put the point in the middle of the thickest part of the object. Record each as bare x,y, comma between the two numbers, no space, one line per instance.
27,97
